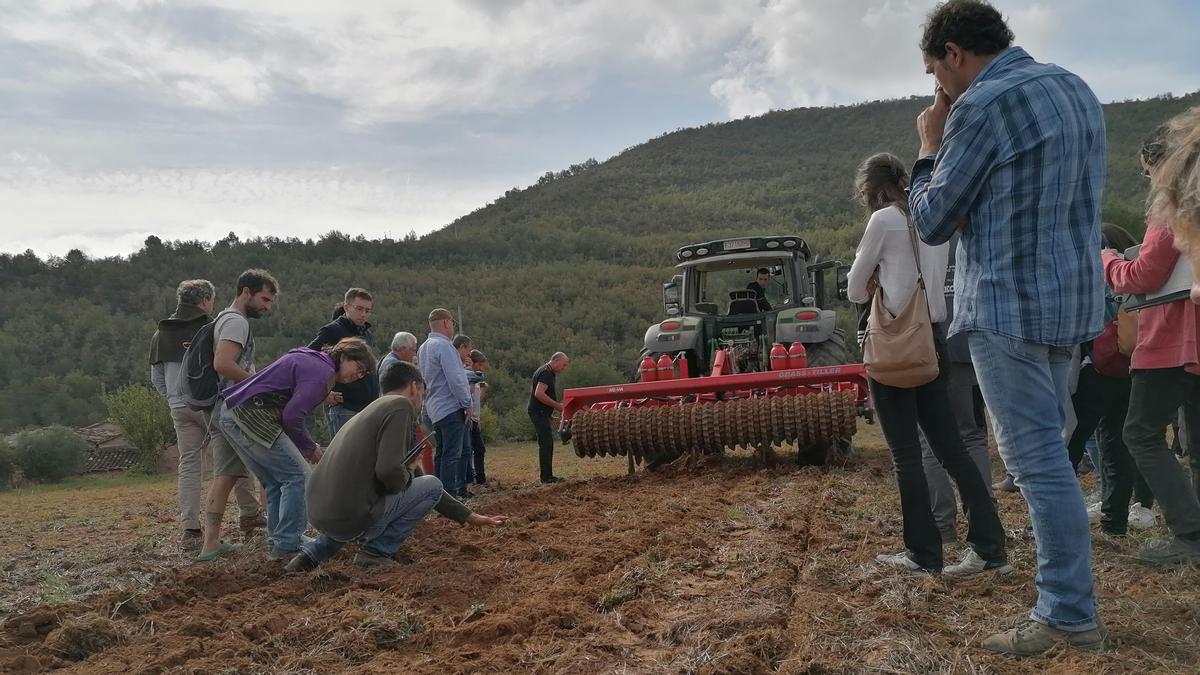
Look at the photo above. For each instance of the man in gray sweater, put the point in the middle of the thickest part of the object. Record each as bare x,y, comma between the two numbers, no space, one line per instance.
363,491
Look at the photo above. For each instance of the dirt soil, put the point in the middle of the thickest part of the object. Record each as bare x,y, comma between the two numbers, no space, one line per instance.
726,568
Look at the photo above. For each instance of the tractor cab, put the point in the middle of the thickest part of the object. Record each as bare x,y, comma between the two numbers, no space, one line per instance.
742,295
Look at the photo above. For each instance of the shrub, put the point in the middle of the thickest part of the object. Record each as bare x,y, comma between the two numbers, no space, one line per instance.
145,420
6,464
51,454
515,426
489,424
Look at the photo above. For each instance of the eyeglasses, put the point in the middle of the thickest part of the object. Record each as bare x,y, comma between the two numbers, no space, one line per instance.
360,308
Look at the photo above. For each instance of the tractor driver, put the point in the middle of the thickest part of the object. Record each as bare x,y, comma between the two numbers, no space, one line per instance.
759,286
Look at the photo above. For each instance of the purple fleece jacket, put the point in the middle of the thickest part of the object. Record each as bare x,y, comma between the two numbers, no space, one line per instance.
306,375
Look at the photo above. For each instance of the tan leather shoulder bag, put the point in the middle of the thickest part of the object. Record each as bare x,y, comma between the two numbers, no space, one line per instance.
899,350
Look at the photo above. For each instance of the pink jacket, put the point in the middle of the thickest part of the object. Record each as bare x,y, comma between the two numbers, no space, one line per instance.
1168,335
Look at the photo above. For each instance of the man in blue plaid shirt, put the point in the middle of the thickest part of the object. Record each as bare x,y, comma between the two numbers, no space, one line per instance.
1012,154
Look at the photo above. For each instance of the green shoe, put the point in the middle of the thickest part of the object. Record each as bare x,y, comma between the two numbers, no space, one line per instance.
224,549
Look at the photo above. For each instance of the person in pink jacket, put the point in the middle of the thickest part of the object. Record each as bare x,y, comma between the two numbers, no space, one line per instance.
1165,374
1175,187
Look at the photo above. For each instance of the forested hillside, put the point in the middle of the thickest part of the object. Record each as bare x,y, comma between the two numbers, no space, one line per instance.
573,262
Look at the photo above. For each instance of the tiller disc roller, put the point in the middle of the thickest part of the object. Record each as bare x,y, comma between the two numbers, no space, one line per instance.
650,431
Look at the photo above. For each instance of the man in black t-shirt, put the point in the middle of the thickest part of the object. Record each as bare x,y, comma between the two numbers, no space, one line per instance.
759,286
542,404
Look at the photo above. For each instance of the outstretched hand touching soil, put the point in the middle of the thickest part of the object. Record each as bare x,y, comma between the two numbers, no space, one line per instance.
480,520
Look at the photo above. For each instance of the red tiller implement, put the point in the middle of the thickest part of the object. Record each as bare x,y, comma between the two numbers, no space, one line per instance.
814,410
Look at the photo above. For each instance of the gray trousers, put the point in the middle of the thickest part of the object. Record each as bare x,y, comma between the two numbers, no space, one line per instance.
967,405
191,437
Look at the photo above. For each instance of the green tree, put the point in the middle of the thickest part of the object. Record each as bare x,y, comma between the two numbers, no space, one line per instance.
144,420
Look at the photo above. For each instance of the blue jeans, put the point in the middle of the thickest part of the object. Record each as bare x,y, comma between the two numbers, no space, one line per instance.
401,515
283,471
337,417
1025,385
451,433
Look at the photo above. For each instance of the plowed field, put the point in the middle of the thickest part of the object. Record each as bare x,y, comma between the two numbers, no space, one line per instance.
729,567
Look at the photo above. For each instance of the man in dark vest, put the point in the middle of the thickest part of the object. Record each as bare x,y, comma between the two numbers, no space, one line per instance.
349,399
196,299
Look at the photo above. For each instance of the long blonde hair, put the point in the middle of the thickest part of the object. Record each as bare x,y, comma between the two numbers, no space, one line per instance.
1175,182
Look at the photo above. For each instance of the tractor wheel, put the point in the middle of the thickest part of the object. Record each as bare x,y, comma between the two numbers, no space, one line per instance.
832,352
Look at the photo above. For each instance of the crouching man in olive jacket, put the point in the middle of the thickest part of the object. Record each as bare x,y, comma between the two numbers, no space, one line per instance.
362,491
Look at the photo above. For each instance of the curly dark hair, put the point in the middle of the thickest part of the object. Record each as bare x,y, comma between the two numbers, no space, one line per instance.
973,25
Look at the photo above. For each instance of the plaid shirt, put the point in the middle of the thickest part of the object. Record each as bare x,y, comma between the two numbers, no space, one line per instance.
1022,168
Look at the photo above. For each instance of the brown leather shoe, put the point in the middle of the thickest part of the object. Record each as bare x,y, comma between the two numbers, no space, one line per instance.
1030,638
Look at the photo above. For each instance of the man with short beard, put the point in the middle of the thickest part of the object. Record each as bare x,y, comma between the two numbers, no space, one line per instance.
233,359
1013,156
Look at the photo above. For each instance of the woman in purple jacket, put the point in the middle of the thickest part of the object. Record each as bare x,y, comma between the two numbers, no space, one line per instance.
264,416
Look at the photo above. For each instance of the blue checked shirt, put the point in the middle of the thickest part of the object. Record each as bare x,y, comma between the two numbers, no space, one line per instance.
1022,166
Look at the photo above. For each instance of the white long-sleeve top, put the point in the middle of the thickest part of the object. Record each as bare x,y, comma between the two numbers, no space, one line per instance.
886,245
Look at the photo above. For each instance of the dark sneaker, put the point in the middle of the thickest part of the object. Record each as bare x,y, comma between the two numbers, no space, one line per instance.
1085,466
1006,485
972,564
1030,638
373,561
301,563
249,524
551,480
191,542
904,562
1170,552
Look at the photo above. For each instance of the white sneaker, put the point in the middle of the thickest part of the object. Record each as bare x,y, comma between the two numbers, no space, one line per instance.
1094,513
902,561
972,564
1141,518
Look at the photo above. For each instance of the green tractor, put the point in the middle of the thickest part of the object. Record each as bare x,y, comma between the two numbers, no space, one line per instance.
743,296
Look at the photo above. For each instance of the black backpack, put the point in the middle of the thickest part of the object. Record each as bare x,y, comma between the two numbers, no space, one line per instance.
199,382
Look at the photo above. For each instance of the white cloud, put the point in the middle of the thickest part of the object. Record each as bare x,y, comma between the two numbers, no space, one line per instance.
111,212
188,118
826,52
383,61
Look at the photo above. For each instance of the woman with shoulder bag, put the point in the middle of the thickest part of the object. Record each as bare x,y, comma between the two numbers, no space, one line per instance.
904,351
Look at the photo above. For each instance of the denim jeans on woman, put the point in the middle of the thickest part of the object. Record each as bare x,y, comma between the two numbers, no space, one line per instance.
401,515
283,471
1025,385
900,412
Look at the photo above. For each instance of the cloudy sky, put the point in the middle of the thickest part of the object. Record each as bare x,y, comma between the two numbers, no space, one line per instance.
191,119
